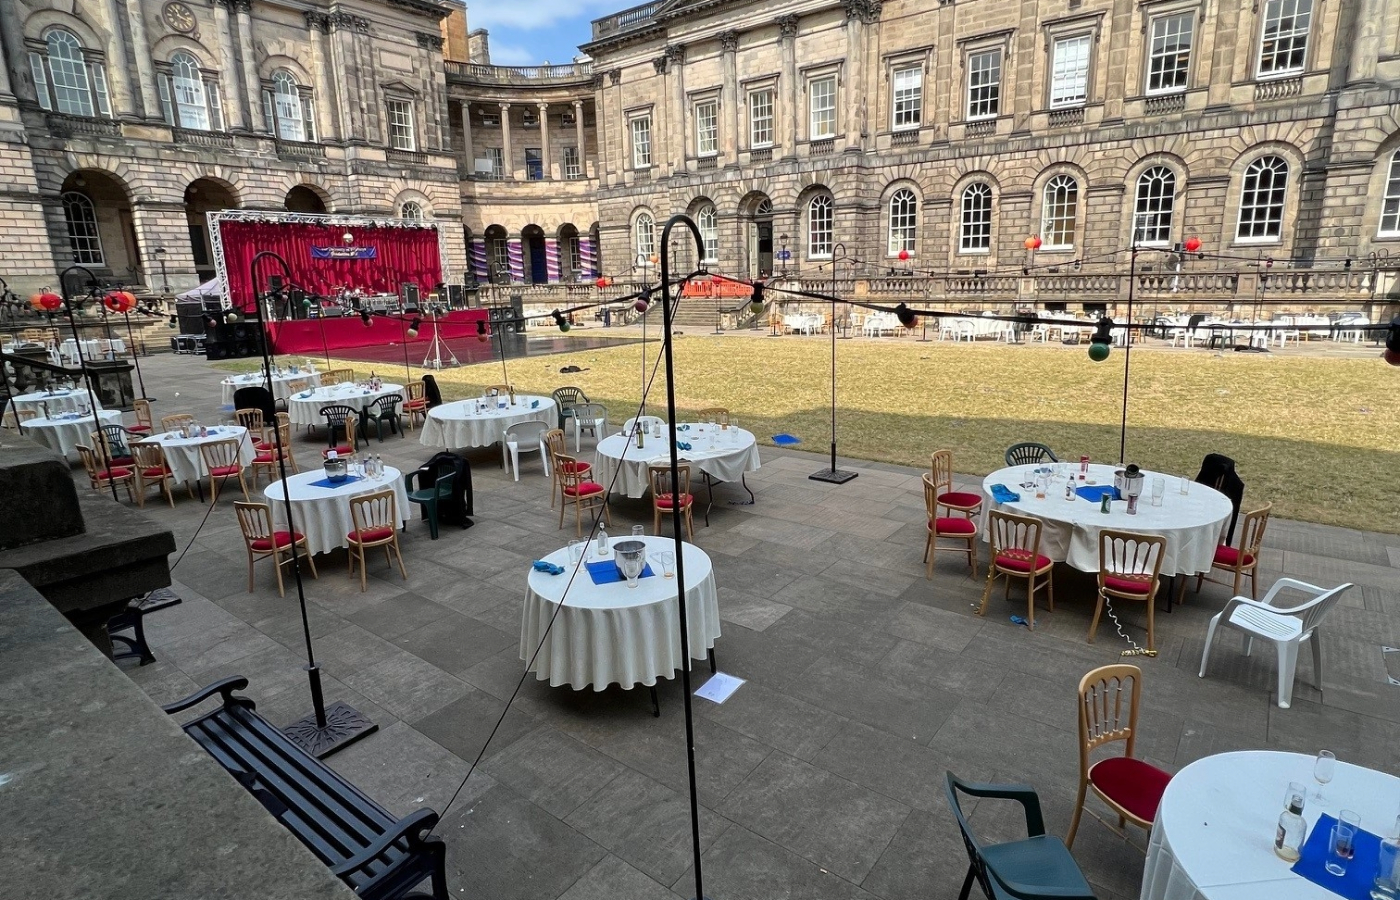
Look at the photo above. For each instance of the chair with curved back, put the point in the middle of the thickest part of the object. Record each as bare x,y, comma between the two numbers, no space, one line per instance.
958,528
416,406
1244,559
591,417
222,460
1109,698
496,390
556,445
719,413
524,437
337,376
176,421
145,425
665,495
101,475
385,409
965,502
648,421
1015,553
1029,453
148,462
256,397
342,433
376,524
262,539
575,488
252,419
114,444
565,399
428,497
267,460
1130,568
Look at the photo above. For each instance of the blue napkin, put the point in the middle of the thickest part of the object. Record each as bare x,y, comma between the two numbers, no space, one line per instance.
682,445
606,572
1003,494
534,404
1361,868
549,567
785,440
1094,492
682,427
327,483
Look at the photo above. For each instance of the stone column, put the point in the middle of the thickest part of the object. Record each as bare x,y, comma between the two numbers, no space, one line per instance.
1366,49
141,53
578,136
327,119
435,124
344,59
623,152
545,155
12,43
789,95
234,103
467,137
252,87
508,166
729,101
858,13
675,57
118,67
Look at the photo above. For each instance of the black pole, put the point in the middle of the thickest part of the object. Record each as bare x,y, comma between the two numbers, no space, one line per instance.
833,475
501,342
135,356
82,366
321,320
676,529
1128,350
407,372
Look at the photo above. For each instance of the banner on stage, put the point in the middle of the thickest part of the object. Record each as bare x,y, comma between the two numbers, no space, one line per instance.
344,252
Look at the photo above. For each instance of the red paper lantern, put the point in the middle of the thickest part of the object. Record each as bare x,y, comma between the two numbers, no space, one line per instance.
1193,244
903,255
652,259
119,301
47,301
1033,242
604,281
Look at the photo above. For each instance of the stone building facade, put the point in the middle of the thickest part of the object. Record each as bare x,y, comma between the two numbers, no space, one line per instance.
122,122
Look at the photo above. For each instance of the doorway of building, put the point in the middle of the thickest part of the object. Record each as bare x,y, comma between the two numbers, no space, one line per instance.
205,195
536,264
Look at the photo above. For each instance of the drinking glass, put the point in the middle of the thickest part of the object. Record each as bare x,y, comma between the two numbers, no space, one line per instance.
1296,797
639,531
1323,770
668,563
1185,486
575,552
1159,487
1341,848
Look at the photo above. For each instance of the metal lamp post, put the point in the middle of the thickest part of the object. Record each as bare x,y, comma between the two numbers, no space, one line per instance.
833,475
93,284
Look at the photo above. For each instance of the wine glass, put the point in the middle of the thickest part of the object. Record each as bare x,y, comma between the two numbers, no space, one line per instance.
1323,770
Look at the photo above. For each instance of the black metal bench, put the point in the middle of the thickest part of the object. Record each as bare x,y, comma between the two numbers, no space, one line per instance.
378,856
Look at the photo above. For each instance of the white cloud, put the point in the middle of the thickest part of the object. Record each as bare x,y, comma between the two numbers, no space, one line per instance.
511,55
541,13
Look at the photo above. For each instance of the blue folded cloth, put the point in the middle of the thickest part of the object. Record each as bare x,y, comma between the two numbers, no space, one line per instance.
785,440
327,483
1003,494
548,567
682,445
534,404
605,571
1094,492
1361,870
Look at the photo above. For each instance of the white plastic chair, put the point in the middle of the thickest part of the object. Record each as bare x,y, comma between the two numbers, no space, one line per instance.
591,417
1286,626
525,437
648,421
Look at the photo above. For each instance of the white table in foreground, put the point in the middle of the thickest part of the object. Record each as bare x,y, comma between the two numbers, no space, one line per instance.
1191,524
184,458
64,434
711,453
608,633
323,513
1214,834
56,402
305,408
458,424
280,383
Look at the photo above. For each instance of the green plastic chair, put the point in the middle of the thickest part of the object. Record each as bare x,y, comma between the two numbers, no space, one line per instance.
1029,453
429,497
1039,867
566,398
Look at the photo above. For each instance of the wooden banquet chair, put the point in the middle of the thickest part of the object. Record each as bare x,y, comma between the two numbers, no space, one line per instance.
556,445
337,376
222,460
176,422
958,528
145,425
965,502
148,462
719,413
1130,568
101,475
497,390
1244,559
252,419
575,488
376,524
665,495
263,540
1015,553
416,406
268,458
1028,453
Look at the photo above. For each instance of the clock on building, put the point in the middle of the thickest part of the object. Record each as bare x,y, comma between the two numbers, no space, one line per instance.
179,17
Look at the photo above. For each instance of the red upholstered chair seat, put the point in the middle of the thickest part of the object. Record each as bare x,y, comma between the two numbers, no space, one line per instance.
953,525
961,499
1128,584
1020,560
139,429
114,472
666,501
1131,783
124,461
1229,557
342,450
265,457
415,404
577,468
156,472
225,470
370,535
283,539
584,489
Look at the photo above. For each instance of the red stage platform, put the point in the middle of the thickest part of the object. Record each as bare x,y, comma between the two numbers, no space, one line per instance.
312,337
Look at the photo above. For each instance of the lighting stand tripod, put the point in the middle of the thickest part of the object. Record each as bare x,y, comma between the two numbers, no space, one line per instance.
435,350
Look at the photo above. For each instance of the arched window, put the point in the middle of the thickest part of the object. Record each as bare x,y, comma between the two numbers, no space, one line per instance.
65,80
820,211
287,109
709,231
1152,208
411,210
976,233
1059,213
1390,206
81,219
1261,200
904,221
188,98
644,235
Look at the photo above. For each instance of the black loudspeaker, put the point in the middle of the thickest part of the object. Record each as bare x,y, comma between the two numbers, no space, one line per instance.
237,341
456,296
408,293
189,315
214,305
299,307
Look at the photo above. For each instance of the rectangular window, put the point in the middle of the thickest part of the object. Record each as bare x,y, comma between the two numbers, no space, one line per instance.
1283,46
908,97
530,118
568,118
821,103
401,125
216,106
984,84
70,86
1390,204
761,119
534,164
308,120
706,128
99,89
497,156
641,142
1069,71
1169,57
573,167
491,119
41,80
167,107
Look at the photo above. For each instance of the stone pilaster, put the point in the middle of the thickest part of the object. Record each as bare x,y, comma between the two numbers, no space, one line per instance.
789,95
508,165
578,137
545,155
235,104
729,101
675,139
242,10
143,65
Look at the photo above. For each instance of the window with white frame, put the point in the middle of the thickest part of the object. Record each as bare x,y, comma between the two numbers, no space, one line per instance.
641,142
907,93
644,234
65,80
821,106
401,134
975,233
530,118
500,257
707,128
497,155
820,210
984,84
1059,213
904,221
1283,40
573,165
1262,197
761,118
81,219
1390,206
573,254
1169,52
1153,205
287,109
188,97
411,210
1069,71
708,223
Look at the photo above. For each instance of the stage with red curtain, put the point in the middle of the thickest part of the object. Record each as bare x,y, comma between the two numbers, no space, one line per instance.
312,337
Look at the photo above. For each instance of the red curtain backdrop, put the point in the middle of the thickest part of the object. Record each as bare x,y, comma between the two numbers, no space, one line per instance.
311,337
402,254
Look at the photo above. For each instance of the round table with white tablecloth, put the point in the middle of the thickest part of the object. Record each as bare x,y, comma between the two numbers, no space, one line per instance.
54,402
725,454
1214,833
183,456
65,432
305,408
481,423
1191,523
610,633
280,383
322,511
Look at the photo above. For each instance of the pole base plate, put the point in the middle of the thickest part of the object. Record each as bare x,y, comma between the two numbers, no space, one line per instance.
344,726
833,476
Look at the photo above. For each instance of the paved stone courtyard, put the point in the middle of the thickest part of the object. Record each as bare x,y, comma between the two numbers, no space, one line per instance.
823,776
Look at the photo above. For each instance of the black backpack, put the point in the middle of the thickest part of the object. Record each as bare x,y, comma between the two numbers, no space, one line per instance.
1219,472
431,392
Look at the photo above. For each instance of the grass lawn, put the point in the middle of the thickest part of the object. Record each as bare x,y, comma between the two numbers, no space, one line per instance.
1320,437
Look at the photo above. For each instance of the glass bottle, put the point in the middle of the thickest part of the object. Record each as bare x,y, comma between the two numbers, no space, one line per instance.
1387,883
602,542
378,467
1069,488
1292,830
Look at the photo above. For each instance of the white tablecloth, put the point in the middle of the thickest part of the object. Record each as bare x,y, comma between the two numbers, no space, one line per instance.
187,463
64,435
280,390
1214,834
323,513
95,348
57,402
711,452
1191,524
307,410
458,424
609,633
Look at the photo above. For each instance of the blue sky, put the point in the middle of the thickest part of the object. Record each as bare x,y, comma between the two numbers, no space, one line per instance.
528,32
